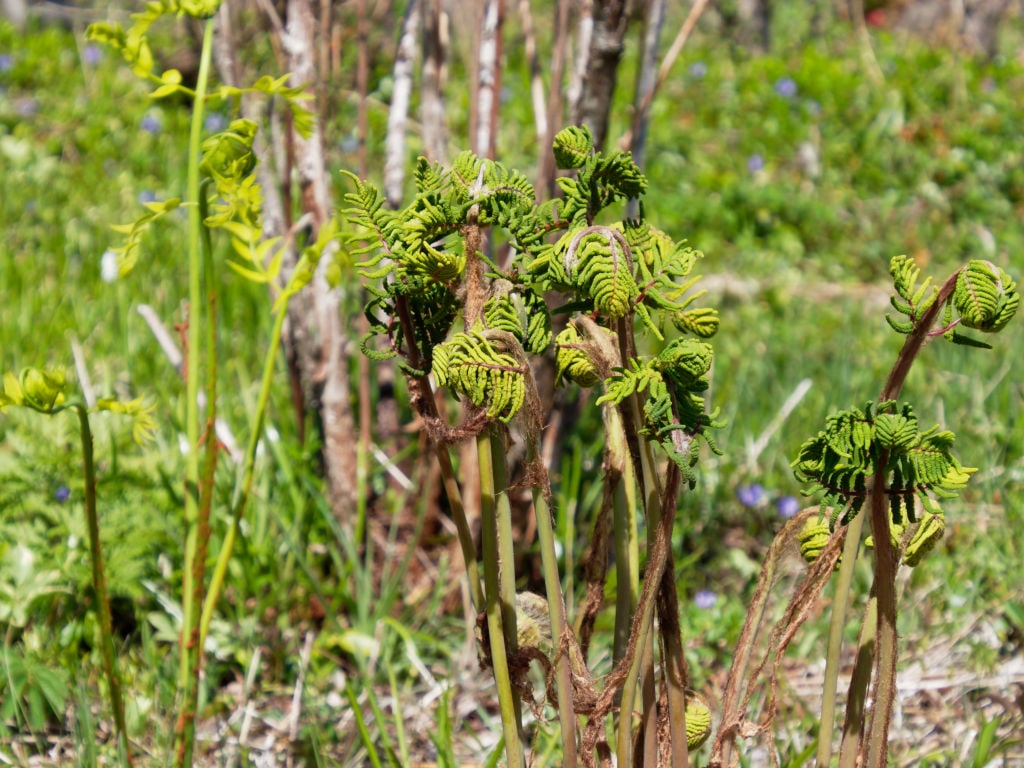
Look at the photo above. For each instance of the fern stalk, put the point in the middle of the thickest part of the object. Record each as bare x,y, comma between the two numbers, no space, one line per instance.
99,584
497,629
556,610
844,583
885,557
427,407
188,691
856,698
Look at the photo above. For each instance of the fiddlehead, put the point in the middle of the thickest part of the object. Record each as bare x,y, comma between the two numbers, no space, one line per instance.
473,366
573,360
839,459
674,383
985,296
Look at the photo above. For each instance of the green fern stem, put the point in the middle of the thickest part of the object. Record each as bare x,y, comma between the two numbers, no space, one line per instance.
556,610
248,474
641,636
188,691
844,583
501,633
99,584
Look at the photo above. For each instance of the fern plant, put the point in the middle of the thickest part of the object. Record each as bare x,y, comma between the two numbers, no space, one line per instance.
439,305
873,463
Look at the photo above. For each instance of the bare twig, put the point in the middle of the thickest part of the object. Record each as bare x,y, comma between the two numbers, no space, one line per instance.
394,162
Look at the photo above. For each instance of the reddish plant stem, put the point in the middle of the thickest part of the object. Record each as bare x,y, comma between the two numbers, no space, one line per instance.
876,749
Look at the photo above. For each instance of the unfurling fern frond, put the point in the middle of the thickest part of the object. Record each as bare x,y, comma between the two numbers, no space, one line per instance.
838,461
520,311
702,322
596,263
538,322
474,367
928,533
985,296
911,299
573,146
504,198
573,360
428,248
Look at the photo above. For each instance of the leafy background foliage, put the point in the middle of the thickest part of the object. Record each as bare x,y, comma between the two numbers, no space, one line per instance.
797,213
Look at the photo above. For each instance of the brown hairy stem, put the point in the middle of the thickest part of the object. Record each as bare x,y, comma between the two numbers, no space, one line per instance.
876,749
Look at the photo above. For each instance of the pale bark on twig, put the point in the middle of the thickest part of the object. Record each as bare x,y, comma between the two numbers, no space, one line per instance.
315,313
654,18
398,114
540,114
435,57
584,35
545,182
488,80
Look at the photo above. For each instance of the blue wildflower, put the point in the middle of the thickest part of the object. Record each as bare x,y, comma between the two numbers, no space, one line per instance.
151,123
146,196
755,163
62,494
786,87
788,506
705,599
92,54
698,70
6,62
750,495
215,122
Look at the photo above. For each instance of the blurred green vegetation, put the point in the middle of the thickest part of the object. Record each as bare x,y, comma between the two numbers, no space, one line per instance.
795,173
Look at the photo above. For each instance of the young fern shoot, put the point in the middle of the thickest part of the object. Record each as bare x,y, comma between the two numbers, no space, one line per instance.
439,306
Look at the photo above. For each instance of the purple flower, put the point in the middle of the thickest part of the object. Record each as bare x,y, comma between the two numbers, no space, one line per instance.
62,494
698,70
92,54
6,62
786,87
755,163
26,107
151,123
787,506
750,495
705,599
215,122
146,196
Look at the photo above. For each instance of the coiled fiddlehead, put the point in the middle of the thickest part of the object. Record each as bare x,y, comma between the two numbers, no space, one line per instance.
473,366
573,360
674,382
839,459
928,533
985,296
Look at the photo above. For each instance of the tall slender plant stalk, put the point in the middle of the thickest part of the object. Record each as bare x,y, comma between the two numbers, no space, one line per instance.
99,585
501,636
192,567
837,623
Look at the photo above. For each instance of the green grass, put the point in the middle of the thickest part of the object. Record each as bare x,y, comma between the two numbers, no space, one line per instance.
927,166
